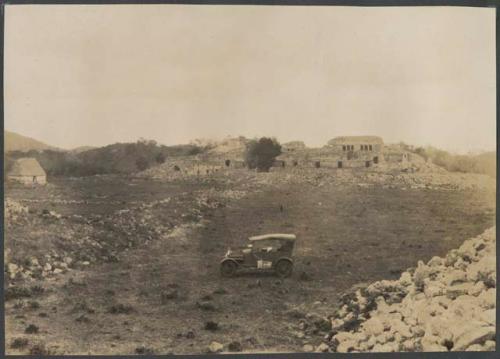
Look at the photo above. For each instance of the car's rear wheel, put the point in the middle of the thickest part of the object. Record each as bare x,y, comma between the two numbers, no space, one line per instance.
228,268
284,268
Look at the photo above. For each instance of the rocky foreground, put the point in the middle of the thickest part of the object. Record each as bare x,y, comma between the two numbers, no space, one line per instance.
447,304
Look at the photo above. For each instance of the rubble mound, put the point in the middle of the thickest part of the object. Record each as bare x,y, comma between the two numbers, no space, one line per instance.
13,210
447,304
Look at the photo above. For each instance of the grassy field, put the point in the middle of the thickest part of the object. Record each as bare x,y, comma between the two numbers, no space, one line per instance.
158,295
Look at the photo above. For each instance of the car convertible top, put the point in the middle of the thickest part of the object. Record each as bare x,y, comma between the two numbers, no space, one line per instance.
290,237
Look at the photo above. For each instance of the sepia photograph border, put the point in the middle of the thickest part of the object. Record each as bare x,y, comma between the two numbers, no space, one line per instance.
357,3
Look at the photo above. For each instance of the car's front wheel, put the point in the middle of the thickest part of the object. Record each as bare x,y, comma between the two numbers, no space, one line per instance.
228,268
284,268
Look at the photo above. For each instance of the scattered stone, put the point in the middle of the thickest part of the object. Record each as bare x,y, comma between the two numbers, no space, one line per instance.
308,348
322,348
477,335
446,304
215,347
206,306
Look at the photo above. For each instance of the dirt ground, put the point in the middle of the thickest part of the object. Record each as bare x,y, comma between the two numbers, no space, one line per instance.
159,295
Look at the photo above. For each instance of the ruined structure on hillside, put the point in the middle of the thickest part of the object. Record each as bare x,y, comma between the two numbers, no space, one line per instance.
357,151
346,152
292,146
361,152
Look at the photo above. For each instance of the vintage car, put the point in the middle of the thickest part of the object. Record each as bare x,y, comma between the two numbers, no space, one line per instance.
268,252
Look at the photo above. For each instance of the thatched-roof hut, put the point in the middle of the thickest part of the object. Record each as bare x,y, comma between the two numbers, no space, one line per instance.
27,171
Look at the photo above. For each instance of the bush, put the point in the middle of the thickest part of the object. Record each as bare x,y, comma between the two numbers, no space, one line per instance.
262,153
121,309
484,163
160,158
17,293
31,329
120,158
19,343
142,163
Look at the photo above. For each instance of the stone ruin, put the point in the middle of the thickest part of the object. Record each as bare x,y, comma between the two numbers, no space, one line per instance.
346,152
446,304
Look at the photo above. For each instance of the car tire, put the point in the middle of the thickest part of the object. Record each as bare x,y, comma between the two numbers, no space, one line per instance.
284,268
228,268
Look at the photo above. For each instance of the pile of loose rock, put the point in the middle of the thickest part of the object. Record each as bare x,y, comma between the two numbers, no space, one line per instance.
447,304
13,210
78,241
34,268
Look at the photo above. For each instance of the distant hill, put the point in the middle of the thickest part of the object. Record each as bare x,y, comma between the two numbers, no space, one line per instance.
17,142
121,158
82,149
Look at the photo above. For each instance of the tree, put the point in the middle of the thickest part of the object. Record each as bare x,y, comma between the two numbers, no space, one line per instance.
262,153
160,158
142,163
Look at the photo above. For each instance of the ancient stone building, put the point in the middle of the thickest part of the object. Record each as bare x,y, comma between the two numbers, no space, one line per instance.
292,146
357,151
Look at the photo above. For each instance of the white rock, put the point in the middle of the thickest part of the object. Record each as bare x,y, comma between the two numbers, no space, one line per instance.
436,262
34,261
322,348
484,267
385,348
373,326
337,323
215,347
343,337
402,329
308,348
12,268
434,289
409,345
489,345
475,335
460,264
457,290
488,298
474,348
454,277
405,279
488,316
477,289
430,343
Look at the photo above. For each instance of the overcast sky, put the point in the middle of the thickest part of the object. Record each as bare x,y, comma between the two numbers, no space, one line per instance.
95,75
